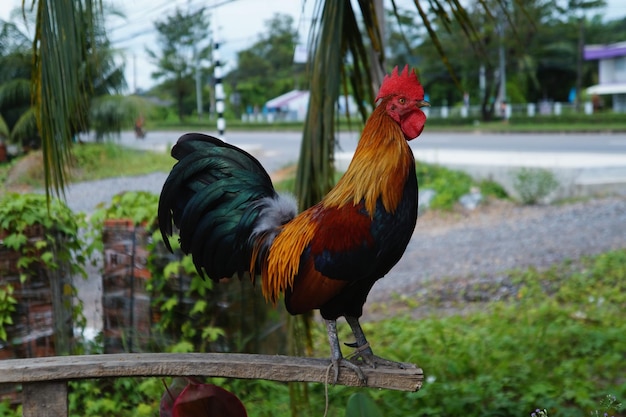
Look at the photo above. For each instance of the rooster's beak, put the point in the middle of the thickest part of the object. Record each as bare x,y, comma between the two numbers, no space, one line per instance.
423,103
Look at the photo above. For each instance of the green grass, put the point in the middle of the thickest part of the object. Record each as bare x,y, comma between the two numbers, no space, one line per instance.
92,161
602,122
97,161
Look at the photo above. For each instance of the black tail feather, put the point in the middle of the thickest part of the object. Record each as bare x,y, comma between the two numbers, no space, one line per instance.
210,196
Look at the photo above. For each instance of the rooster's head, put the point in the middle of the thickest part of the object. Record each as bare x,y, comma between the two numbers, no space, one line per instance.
403,97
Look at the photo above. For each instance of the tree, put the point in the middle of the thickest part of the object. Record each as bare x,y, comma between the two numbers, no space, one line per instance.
16,115
28,72
182,38
266,69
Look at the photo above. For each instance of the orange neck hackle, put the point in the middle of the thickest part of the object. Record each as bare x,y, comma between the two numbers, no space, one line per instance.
378,169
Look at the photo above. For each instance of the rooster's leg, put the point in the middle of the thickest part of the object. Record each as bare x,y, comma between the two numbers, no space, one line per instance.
336,357
363,349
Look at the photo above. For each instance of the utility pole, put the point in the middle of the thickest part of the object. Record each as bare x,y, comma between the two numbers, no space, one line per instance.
502,59
198,83
219,90
579,61
134,73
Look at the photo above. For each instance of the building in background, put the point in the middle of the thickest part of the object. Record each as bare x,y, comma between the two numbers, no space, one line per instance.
611,73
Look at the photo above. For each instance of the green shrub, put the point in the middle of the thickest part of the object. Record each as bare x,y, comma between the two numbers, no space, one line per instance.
493,189
449,185
534,184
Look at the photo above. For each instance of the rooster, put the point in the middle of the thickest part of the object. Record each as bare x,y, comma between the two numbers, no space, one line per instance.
328,257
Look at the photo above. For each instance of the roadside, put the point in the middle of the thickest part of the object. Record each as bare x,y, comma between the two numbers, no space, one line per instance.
460,259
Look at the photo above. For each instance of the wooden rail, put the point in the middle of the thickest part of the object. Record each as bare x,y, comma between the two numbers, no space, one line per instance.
44,380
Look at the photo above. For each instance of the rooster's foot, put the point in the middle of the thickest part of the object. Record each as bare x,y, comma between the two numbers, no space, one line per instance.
364,354
336,363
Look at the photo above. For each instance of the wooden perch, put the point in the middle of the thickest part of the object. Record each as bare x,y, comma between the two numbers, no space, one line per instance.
229,365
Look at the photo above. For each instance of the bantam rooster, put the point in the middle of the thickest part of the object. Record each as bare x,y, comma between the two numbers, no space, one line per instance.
328,257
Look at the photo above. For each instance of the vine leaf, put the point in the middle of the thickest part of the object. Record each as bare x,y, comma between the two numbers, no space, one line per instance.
361,405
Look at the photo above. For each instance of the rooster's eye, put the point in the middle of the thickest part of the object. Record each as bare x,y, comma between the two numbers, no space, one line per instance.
401,100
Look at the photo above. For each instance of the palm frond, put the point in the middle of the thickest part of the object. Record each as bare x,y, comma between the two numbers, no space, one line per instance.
25,129
17,90
62,33
341,61
4,128
315,167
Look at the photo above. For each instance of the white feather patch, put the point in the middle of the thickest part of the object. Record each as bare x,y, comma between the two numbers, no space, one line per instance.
274,212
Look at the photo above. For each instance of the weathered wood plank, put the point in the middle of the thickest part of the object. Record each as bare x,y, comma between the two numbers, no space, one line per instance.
45,399
243,366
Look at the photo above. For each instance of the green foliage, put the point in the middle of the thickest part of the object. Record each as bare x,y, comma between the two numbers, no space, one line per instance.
6,410
120,397
556,346
448,184
266,69
7,308
109,114
61,246
61,243
138,206
361,405
493,189
534,184
106,160
92,161
181,38
609,406
183,300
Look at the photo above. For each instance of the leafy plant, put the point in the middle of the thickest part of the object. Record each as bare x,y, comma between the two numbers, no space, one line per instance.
534,184
361,405
60,247
120,397
449,185
138,206
608,406
18,212
494,189
7,308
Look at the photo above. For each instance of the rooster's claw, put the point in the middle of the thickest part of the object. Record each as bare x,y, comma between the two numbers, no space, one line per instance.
354,367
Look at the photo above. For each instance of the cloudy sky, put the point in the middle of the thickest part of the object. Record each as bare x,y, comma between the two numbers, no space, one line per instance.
237,23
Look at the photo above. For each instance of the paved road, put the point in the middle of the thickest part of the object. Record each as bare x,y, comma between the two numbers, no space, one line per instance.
286,145
585,164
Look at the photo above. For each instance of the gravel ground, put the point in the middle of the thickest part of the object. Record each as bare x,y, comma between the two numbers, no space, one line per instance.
481,244
487,242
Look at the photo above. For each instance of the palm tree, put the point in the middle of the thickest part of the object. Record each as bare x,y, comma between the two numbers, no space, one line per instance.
17,123
71,63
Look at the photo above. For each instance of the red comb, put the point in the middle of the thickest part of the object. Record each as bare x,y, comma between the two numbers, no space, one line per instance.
405,83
